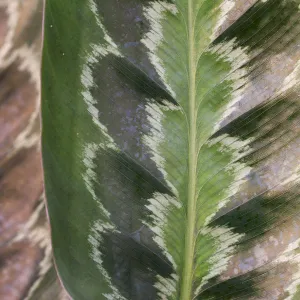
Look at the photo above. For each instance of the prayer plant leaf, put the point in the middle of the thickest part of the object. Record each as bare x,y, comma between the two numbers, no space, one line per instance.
171,147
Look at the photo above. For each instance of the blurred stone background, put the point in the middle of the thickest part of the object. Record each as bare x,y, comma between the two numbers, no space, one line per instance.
26,270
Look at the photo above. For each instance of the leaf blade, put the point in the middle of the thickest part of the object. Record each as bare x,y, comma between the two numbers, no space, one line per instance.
196,173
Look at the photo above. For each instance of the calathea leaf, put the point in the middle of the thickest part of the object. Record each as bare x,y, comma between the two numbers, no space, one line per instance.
170,147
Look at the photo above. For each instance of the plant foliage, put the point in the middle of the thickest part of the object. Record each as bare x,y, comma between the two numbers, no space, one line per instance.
171,147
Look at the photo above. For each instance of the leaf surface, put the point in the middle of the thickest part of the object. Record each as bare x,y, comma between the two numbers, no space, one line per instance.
170,145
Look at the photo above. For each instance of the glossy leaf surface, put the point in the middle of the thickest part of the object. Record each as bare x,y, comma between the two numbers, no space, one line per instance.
171,147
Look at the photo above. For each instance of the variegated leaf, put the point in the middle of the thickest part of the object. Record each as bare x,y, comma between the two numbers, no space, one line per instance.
171,147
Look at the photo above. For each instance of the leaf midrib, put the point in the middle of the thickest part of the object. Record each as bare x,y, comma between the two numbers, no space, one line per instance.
187,274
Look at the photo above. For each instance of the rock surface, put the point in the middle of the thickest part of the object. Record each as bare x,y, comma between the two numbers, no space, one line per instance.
26,269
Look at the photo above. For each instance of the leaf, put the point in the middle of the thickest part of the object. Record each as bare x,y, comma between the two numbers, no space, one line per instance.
170,147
